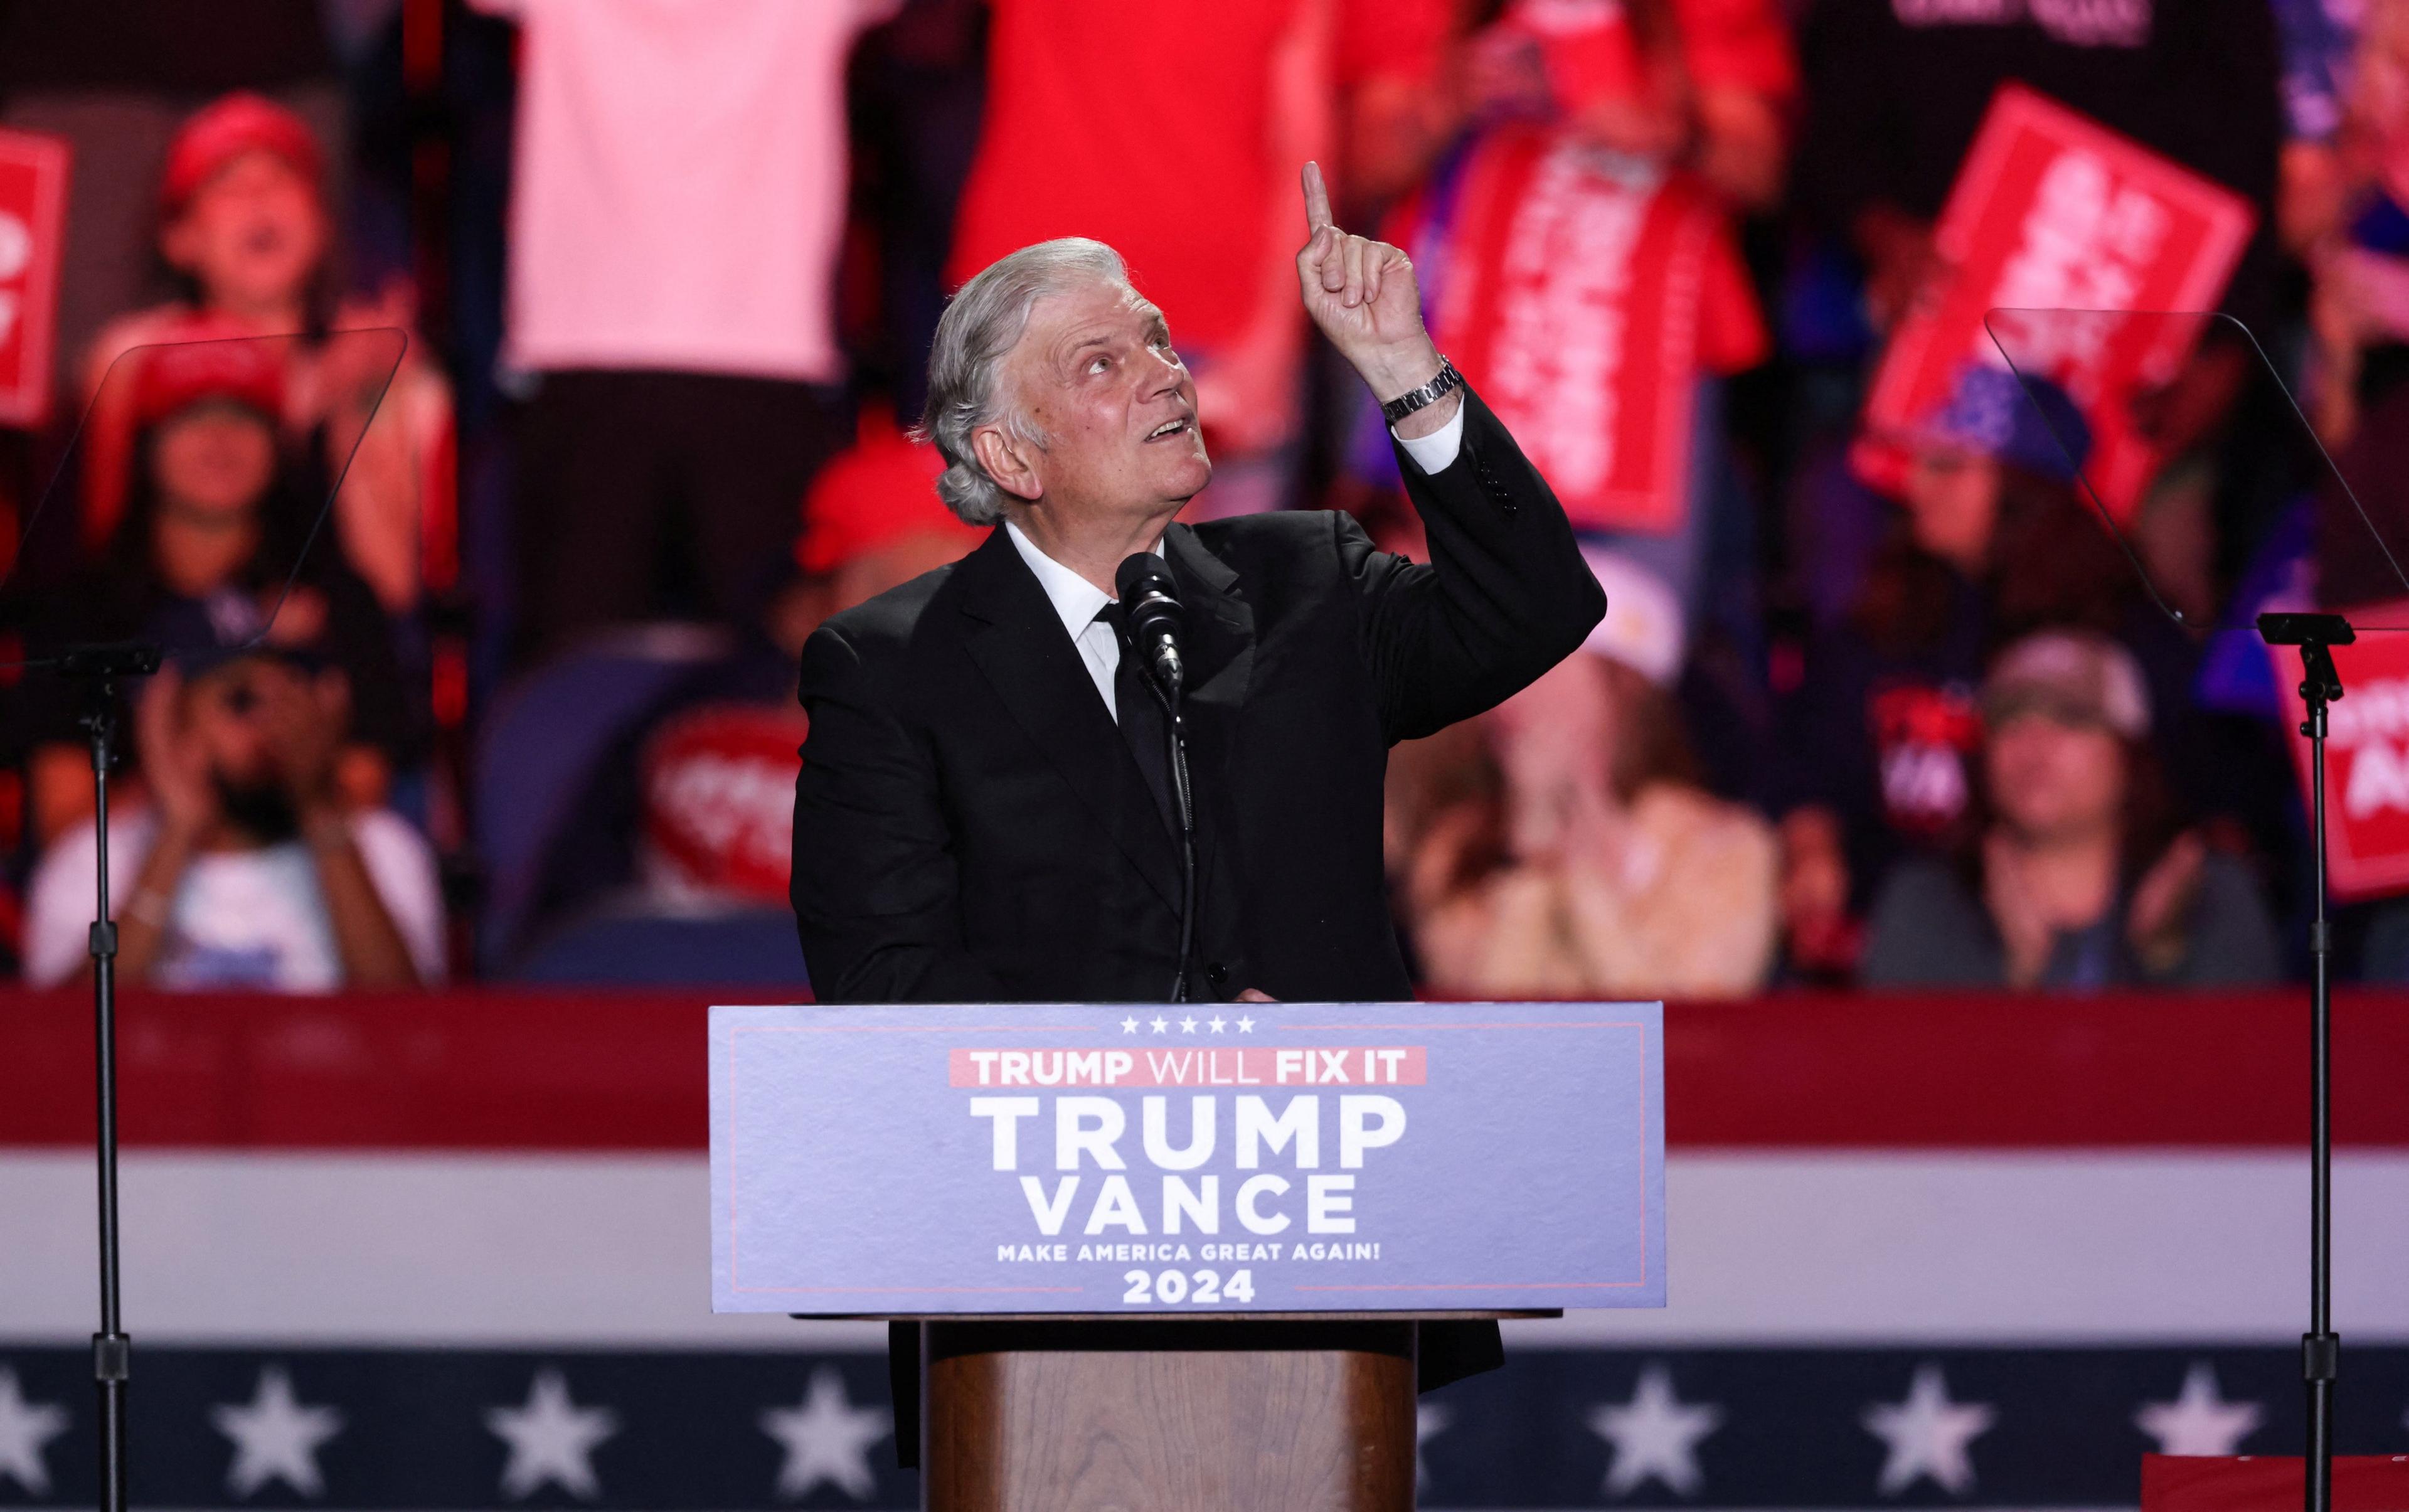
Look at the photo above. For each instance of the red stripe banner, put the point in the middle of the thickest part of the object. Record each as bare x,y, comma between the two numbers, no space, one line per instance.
488,1069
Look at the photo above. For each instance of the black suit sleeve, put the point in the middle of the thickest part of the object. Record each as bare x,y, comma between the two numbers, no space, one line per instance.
875,882
1506,595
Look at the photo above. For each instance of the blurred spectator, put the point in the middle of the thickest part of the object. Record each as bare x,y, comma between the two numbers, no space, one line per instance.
1873,758
2076,876
1592,864
918,91
1702,84
1628,136
212,533
2355,235
678,204
2319,37
117,80
871,522
1094,105
249,869
648,776
245,226
1895,89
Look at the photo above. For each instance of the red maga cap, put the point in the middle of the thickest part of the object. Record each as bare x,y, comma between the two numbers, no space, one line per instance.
223,130
881,490
204,363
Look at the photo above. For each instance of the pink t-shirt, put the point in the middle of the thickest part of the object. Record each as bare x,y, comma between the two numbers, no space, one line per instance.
680,183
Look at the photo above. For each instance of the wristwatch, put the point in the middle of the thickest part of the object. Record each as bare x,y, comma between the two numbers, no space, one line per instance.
1448,382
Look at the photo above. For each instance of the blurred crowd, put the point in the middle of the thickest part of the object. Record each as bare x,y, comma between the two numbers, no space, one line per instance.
481,399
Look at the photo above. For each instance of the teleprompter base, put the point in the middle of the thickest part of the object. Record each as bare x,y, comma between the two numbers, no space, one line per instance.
1187,1416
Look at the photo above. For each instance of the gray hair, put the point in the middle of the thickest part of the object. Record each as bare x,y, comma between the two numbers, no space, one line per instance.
978,329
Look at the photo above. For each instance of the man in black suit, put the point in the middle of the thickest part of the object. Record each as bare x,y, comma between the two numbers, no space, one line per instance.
970,825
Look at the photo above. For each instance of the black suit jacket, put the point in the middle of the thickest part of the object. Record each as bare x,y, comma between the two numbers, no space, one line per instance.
970,827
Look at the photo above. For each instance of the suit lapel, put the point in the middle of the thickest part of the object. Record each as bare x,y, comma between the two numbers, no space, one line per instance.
1222,665
1019,646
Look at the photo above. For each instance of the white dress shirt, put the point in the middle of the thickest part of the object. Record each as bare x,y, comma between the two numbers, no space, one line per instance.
1077,599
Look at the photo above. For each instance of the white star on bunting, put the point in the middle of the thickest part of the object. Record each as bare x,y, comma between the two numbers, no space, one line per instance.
1654,1434
1188,1025
1129,1025
1215,1023
24,1428
551,1439
2199,1420
1430,1420
1928,1434
1160,1026
826,1438
275,1437
1245,1026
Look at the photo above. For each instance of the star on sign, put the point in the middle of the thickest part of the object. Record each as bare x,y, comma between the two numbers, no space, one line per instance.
1655,1435
1928,1434
1188,1025
1215,1023
1129,1025
826,1438
1245,1026
550,1438
2199,1420
24,1428
275,1437
1430,1420
1159,1024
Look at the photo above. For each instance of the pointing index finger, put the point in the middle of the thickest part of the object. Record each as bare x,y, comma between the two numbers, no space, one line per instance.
1317,199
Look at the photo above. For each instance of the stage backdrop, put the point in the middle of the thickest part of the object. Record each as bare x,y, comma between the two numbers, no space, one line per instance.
450,1251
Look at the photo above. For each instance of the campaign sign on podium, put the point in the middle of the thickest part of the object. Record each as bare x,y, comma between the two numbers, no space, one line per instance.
1275,1157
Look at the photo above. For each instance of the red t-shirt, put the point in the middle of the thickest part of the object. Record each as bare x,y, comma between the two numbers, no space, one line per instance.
1150,127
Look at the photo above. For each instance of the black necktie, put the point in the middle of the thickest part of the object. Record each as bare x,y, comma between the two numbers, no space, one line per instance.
1142,724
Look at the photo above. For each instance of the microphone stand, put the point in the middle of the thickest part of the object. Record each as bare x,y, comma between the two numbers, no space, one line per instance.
2316,635
100,669
1167,693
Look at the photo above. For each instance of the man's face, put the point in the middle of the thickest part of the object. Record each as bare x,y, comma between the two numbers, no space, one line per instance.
2053,778
1095,373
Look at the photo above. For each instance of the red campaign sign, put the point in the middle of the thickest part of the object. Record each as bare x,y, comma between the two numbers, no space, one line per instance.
2367,755
1573,300
2053,211
719,799
33,223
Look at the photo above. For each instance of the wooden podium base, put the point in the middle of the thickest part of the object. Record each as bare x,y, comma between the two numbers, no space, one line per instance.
1175,1416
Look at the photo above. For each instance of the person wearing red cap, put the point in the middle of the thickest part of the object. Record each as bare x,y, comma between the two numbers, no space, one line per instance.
872,521
202,555
244,226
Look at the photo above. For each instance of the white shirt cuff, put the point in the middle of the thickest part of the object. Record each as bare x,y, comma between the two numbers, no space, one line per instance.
1435,453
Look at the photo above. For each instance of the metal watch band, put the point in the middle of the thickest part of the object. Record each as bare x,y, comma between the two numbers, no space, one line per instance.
1424,398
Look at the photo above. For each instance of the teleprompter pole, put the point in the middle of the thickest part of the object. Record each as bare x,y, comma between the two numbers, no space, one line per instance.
2316,635
100,669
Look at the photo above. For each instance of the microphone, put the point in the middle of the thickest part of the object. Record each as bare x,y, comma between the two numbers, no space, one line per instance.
1153,617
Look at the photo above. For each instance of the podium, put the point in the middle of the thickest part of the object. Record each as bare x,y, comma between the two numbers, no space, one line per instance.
1158,1260
1192,1414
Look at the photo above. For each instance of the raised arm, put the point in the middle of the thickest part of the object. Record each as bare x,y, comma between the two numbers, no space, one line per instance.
1506,595
875,890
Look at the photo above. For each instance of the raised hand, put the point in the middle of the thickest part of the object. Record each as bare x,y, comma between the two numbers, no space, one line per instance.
175,766
306,717
1362,295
